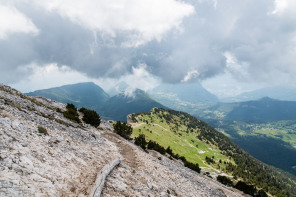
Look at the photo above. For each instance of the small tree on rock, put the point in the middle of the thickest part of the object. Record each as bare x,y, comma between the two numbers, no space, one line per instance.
91,117
141,141
123,129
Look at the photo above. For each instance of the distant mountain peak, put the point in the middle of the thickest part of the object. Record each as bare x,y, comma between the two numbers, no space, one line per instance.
279,93
266,98
119,88
85,94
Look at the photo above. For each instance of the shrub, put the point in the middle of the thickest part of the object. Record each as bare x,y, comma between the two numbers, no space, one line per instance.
71,106
169,150
42,130
123,129
183,159
192,166
141,141
59,110
155,146
248,189
90,117
71,113
82,109
261,193
209,160
224,180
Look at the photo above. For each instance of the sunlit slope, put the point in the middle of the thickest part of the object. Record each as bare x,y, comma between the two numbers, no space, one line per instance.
199,142
172,130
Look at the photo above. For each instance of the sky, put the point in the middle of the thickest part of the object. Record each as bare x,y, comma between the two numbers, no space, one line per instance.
228,46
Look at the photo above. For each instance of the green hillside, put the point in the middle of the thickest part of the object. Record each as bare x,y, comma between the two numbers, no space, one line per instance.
198,142
273,142
265,128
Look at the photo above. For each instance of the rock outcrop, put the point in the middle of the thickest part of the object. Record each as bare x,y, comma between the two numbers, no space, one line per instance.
65,160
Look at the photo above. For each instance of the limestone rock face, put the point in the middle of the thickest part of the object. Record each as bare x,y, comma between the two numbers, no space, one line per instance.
65,162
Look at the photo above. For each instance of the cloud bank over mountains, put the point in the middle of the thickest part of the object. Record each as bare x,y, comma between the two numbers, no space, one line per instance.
176,41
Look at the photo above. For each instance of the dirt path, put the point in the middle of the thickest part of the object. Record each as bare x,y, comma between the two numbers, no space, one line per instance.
160,126
127,151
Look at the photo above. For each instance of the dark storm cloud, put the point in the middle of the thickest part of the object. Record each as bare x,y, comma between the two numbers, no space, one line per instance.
259,41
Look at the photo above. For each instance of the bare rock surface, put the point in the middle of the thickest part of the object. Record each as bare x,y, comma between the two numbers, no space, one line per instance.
63,163
142,174
67,160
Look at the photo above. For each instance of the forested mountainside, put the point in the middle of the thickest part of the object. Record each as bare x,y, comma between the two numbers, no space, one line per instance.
198,142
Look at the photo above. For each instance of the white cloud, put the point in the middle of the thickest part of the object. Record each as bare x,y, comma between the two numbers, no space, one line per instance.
48,76
239,70
106,39
13,21
280,6
193,74
141,20
141,78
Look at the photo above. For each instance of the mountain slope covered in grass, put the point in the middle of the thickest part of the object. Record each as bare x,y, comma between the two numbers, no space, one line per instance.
273,142
264,128
199,142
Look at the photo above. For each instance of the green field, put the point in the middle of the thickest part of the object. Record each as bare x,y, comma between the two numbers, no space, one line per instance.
273,142
182,141
282,130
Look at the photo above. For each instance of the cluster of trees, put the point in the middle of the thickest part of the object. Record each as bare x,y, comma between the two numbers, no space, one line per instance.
225,180
123,129
240,185
71,113
155,146
89,116
210,160
250,189
141,141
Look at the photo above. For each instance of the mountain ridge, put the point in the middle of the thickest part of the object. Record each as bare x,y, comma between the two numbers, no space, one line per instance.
183,133
279,93
92,96
86,94
65,160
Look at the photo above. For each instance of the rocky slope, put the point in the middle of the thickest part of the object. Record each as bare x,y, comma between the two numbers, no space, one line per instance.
67,160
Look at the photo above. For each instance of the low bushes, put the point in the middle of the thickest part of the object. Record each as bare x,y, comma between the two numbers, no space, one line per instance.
42,130
224,180
123,129
90,117
71,113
